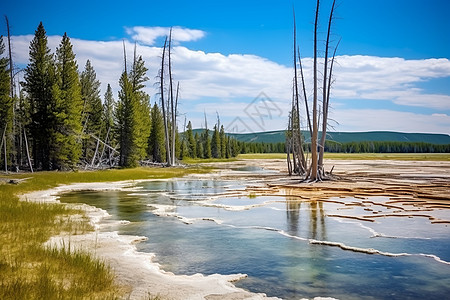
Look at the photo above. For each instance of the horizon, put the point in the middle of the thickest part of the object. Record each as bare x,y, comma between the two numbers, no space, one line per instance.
304,130
233,59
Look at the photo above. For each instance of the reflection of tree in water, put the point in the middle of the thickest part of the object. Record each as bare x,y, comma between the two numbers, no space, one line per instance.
306,219
317,220
313,211
293,207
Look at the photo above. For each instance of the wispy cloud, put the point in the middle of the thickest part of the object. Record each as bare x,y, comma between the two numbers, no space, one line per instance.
229,82
389,120
149,35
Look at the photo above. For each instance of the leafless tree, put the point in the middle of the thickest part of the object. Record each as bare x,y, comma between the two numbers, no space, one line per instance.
163,105
315,171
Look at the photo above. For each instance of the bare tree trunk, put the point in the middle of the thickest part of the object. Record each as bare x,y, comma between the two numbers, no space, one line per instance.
28,153
106,141
314,163
174,121
288,147
4,148
172,109
11,93
325,113
292,133
325,91
288,156
95,153
166,129
304,94
296,120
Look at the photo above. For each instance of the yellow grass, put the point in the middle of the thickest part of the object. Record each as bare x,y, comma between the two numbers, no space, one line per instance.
30,271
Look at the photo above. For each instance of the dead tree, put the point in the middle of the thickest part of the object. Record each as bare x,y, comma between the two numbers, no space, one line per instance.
163,105
172,108
312,173
325,115
325,94
11,94
315,171
296,131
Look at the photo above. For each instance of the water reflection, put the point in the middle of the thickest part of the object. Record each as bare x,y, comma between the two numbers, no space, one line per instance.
253,241
312,214
307,219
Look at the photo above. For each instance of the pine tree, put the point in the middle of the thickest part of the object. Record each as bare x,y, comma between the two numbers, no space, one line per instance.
191,143
156,148
108,110
178,145
108,120
65,150
142,118
199,145
206,144
125,122
6,109
39,80
223,142
133,115
92,110
215,143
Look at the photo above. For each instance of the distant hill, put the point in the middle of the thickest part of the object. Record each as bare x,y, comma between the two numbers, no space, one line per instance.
345,137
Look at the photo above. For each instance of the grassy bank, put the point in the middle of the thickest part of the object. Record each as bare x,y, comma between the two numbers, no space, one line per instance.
30,271
360,156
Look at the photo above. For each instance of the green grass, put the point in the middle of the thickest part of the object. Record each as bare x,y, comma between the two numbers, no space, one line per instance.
194,161
30,271
262,156
360,156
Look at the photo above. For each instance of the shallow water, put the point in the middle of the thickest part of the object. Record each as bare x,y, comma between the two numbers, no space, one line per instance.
289,249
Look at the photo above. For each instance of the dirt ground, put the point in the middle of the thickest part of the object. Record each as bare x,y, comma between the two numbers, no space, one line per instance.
405,188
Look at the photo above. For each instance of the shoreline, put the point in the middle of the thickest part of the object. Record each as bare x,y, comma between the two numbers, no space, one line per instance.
422,185
134,270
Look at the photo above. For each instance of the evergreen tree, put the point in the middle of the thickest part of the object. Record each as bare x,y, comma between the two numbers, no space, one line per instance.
125,122
6,108
92,110
178,145
65,149
190,141
215,143
108,120
142,117
199,145
223,142
108,111
228,147
184,149
206,140
133,115
156,148
39,81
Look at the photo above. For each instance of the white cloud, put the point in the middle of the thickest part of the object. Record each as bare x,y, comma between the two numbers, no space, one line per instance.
233,81
388,120
391,79
148,35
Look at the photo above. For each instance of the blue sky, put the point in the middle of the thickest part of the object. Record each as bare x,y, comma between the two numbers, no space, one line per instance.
393,69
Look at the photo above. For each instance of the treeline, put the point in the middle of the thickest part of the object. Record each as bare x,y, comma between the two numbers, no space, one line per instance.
251,147
352,147
386,147
58,120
